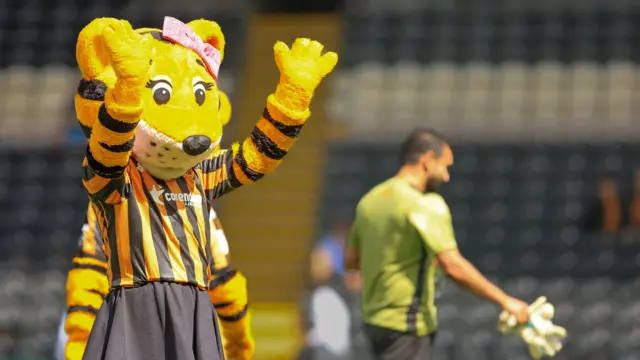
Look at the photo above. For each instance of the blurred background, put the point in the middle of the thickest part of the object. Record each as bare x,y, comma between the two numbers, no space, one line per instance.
540,101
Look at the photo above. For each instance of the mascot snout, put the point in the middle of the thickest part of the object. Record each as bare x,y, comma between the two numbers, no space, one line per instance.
196,144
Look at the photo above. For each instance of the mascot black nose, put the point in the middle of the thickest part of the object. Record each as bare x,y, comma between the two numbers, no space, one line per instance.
196,144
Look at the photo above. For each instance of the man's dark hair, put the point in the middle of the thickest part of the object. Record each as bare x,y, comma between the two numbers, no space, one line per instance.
419,142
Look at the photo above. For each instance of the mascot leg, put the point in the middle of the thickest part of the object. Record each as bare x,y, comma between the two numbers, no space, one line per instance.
156,321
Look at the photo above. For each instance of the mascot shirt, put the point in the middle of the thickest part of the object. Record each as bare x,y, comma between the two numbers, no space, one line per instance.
155,230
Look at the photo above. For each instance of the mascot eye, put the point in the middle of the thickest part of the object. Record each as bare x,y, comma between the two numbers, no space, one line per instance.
161,93
199,92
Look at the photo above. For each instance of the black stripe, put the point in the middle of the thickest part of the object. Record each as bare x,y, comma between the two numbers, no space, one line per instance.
224,186
136,246
92,89
85,130
112,243
97,292
178,229
159,237
114,125
109,172
266,145
102,270
193,220
89,309
86,170
414,308
207,226
98,256
221,277
231,175
120,148
236,317
97,233
242,162
291,131
222,305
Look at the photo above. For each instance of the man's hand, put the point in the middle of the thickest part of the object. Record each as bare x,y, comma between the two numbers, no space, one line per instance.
518,308
541,335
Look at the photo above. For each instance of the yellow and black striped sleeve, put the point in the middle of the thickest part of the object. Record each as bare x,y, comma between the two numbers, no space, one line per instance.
87,285
261,152
111,141
227,287
228,293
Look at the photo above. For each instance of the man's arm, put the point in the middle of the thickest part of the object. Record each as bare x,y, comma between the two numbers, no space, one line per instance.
434,224
467,276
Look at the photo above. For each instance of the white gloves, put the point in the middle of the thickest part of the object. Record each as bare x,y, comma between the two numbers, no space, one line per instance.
543,337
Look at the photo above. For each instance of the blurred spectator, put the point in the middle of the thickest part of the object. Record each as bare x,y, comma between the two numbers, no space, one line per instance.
329,334
605,214
333,244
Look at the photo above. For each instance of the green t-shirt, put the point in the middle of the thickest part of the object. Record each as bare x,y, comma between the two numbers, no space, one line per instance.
399,231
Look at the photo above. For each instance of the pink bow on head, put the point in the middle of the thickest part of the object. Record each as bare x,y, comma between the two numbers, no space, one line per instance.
179,33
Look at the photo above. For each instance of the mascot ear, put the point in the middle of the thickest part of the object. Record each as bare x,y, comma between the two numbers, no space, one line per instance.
224,112
91,55
209,32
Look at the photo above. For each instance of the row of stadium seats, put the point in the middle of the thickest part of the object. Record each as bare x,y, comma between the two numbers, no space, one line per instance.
40,100
42,32
492,34
480,100
374,7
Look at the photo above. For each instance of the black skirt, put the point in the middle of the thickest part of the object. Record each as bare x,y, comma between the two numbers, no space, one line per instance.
156,321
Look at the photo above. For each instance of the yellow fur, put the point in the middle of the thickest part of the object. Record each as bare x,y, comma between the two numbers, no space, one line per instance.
84,280
85,287
76,344
239,343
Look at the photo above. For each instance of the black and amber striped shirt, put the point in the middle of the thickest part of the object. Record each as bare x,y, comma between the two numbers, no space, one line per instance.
157,230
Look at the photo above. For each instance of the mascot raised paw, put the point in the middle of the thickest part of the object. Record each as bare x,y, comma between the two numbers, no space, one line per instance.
153,170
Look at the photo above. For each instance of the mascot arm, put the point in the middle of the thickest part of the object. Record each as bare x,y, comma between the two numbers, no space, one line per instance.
87,285
261,152
228,293
111,139
302,68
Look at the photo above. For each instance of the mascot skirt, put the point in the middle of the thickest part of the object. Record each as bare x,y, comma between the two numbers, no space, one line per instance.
155,321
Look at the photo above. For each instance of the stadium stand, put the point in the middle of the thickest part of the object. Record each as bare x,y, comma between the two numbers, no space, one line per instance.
539,98
550,73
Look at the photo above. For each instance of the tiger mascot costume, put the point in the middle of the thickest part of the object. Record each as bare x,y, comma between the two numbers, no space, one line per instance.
152,171
87,282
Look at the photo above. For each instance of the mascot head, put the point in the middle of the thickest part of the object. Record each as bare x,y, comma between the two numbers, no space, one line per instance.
184,111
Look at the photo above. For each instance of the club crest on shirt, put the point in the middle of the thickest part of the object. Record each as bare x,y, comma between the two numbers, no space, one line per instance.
159,196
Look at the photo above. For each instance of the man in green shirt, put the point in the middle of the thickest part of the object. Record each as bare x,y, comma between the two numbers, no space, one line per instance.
403,243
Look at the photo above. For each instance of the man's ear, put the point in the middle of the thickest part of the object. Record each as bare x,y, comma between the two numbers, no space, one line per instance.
209,32
92,58
427,159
